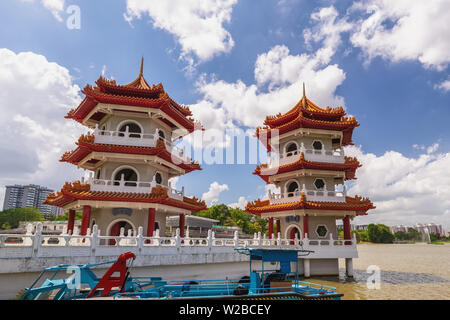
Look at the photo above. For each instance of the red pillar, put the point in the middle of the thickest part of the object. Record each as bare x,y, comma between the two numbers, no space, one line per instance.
347,230
85,220
270,227
151,222
305,225
71,222
278,226
182,224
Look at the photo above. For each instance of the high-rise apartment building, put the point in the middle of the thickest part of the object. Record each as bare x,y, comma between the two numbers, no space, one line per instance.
18,196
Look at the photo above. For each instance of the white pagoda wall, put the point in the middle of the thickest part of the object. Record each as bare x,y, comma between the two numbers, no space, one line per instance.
104,218
149,125
146,172
307,141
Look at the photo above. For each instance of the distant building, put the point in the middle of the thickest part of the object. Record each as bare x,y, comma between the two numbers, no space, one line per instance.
19,196
421,228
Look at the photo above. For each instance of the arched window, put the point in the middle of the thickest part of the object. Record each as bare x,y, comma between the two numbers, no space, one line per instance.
133,128
291,149
129,175
292,187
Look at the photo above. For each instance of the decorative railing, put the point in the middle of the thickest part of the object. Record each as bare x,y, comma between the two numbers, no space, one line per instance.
93,244
132,186
327,156
311,195
126,138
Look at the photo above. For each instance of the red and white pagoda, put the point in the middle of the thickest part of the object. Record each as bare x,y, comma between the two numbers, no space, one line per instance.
308,165
131,156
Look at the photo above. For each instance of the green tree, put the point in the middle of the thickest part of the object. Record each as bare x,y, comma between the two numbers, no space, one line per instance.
232,217
12,217
65,217
380,233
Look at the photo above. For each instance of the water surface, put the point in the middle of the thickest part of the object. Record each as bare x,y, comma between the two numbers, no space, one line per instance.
408,271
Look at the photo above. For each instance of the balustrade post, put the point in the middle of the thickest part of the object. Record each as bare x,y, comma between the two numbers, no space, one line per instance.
236,239
37,243
331,240
306,240
140,238
259,239
177,238
94,239
279,239
209,239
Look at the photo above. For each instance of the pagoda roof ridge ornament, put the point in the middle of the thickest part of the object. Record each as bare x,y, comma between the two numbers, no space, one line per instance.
304,96
139,82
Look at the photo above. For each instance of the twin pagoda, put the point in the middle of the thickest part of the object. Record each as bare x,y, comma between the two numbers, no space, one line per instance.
131,157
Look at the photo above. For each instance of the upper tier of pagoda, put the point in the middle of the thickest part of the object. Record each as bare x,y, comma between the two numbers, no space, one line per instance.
306,114
358,204
79,191
349,167
139,94
90,153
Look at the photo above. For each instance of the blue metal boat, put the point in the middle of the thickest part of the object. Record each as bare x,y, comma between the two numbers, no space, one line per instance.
265,284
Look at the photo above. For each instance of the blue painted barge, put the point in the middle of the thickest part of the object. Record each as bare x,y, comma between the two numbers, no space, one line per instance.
282,283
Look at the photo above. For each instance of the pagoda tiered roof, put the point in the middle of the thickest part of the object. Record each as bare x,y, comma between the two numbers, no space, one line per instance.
358,204
349,167
71,192
306,114
138,94
86,145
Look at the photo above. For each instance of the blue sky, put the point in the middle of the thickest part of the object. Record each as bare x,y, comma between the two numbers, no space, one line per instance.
394,80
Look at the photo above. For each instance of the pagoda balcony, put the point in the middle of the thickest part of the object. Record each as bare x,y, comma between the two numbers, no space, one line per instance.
311,195
149,140
132,187
326,156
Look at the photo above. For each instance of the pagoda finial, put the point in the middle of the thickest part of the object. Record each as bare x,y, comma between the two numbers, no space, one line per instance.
141,72
304,96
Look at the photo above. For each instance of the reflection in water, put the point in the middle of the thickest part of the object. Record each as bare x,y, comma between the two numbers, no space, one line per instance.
408,271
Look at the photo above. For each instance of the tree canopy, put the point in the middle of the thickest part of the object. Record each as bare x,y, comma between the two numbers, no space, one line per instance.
379,233
10,219
231,217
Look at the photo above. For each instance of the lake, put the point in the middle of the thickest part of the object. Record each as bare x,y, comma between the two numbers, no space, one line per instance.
407,271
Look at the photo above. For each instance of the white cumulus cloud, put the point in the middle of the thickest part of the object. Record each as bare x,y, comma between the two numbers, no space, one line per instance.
36,95
198,25
404,190
56,7
404,30
212,195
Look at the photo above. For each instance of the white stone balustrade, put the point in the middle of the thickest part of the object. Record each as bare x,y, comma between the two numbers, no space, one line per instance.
132,186
126,138
323,155
311,195
93,244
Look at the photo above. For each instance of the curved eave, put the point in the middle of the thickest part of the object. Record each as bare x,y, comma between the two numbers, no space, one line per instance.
165,104
349,168
311,109
346,127
64,198
352,204
85,148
